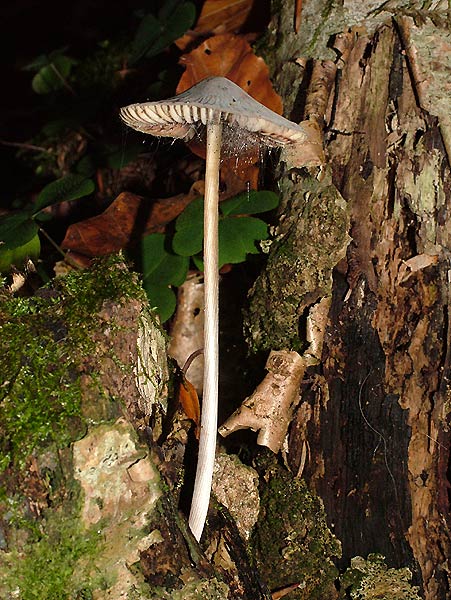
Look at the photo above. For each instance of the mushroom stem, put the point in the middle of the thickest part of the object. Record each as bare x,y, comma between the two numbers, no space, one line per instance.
209,418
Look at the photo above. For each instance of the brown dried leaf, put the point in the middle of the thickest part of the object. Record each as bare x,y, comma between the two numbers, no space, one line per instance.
230,56
115,228
218,16
297,15
105,233
189,401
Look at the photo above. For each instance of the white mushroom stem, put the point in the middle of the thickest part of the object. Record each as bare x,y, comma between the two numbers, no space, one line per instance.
209,418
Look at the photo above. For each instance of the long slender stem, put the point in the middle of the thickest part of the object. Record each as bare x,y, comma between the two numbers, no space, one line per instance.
207,439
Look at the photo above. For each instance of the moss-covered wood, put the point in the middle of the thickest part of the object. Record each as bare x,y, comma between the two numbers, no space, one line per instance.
291,541
84,512
371,433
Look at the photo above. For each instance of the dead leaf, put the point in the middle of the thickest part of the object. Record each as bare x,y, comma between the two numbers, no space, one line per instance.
230,56
115,228
297,15
218,16
189,401
105,233
238,175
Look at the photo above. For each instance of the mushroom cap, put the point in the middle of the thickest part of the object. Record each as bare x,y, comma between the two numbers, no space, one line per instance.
212,98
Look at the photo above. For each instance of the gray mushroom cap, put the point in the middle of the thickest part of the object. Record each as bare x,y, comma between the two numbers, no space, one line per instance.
214,97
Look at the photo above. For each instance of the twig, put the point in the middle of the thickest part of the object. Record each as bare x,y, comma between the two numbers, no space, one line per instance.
59,249
190,359
62,79
25,146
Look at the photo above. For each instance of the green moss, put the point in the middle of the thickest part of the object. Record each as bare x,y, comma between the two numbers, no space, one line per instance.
211,589
45,568
371,579
43,342
311,239
292,541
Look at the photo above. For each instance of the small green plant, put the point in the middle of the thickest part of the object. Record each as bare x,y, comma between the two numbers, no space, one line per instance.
52,71
155,33
19,231
165,261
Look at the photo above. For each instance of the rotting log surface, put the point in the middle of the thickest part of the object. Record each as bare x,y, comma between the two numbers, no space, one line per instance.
84,510
374,417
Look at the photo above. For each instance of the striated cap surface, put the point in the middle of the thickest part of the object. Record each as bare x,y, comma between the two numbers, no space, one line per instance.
212,98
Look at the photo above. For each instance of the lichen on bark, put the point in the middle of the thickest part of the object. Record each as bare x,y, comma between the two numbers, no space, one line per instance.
311,238
371,579
80,487
292,541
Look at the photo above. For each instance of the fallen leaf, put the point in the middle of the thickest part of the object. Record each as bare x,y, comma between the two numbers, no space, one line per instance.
189,401
231,56
239,175
115,228
297,15
218,16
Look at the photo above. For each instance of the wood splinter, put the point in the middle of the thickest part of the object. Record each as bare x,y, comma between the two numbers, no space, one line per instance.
269,410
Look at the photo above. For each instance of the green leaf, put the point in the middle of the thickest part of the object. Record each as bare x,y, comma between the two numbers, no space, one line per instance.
237,237
44,59
159,266
174,23
250,203
19,254
16,230
162,298
52,76
86,166
192,215
156,34
146,35
198,262
69,187
189,229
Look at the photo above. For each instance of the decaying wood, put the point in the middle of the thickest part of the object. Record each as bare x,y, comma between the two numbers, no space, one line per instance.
372,428
187,332
270,408
235,486
104,483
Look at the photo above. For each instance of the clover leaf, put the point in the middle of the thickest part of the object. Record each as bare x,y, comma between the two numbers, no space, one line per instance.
237,233
161,269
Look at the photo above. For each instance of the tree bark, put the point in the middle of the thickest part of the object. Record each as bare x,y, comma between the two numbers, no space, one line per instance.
374,415
84,509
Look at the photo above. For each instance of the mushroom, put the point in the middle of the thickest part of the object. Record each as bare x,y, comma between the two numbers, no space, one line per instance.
214,103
